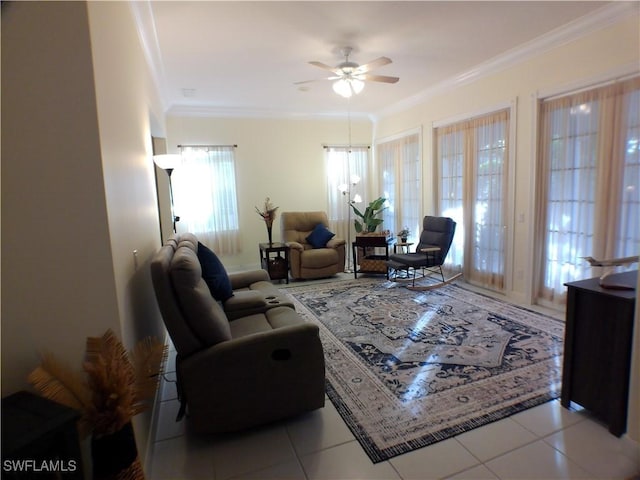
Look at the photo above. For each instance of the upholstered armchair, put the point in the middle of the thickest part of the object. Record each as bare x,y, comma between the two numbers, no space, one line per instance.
315,251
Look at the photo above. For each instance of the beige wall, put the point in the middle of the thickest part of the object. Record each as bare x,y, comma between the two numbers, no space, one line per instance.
129,113
57,266
78,192
278,158
593,58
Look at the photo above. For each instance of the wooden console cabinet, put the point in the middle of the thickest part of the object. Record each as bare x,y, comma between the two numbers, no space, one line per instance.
597,349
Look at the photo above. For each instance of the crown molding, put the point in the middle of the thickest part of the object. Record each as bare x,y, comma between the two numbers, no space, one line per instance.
601,18
146,28
205,111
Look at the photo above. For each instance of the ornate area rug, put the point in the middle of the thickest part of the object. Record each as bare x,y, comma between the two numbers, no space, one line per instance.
407,369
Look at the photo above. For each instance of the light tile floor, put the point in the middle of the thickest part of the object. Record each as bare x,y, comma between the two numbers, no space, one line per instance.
545,442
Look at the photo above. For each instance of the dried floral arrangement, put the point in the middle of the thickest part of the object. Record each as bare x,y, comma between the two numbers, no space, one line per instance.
118,384
268,213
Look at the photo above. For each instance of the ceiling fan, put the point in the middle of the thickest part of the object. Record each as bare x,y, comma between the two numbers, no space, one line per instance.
350,77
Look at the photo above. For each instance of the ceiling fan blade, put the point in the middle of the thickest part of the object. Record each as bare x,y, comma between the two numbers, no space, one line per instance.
316,80
308,81
379,78
378,62
326,67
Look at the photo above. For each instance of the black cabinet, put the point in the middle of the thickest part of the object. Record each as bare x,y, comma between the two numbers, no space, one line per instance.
39,438
597,349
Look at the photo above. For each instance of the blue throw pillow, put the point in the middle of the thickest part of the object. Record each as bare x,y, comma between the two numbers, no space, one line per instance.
214,274
319,236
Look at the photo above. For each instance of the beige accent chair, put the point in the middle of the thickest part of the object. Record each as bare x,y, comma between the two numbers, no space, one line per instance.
264,364
305,261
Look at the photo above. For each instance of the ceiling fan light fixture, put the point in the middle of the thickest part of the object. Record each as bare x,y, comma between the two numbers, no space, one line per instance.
346,87
341,87
357,85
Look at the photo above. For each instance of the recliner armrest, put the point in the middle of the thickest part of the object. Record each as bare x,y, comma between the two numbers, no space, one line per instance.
245,300
336,242
244,279
295,246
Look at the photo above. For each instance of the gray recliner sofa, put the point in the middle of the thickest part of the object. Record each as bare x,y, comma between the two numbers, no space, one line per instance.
260,364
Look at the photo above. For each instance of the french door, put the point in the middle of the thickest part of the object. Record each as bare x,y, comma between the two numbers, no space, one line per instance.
472,159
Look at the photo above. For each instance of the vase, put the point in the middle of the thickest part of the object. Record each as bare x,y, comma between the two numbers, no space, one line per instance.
269,232
115,453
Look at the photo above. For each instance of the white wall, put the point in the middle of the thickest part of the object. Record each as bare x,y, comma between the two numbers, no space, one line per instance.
278,158
78,192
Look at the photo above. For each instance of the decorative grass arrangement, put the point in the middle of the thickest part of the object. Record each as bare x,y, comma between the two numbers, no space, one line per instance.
117,385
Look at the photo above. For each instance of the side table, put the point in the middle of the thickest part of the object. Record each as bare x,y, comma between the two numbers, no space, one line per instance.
403,246
272,260
365,258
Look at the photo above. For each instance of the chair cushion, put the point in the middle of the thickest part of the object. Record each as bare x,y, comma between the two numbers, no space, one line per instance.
243,326
319,236
214,274
201,311
318,258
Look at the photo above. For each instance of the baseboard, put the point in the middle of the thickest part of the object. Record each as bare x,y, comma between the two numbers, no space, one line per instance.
155,409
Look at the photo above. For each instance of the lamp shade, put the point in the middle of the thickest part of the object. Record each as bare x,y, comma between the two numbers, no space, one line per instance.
168,161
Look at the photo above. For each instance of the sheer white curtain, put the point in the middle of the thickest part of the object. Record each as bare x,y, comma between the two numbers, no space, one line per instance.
205,199
450,154
342,167
473,158
400,181
588,195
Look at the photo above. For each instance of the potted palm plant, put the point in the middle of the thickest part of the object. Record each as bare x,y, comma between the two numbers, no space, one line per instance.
370,219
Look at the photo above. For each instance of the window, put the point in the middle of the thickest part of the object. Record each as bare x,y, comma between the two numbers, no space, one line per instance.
401,184
472,156
343,166
205,199
588,195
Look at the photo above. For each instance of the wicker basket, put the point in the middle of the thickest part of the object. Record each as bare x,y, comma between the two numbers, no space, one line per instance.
373,265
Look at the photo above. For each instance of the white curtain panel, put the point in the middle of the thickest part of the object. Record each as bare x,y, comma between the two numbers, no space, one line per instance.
342,166
205,198
472,158
400,181
589,190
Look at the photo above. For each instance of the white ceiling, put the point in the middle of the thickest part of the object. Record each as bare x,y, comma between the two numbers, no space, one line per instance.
242,58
